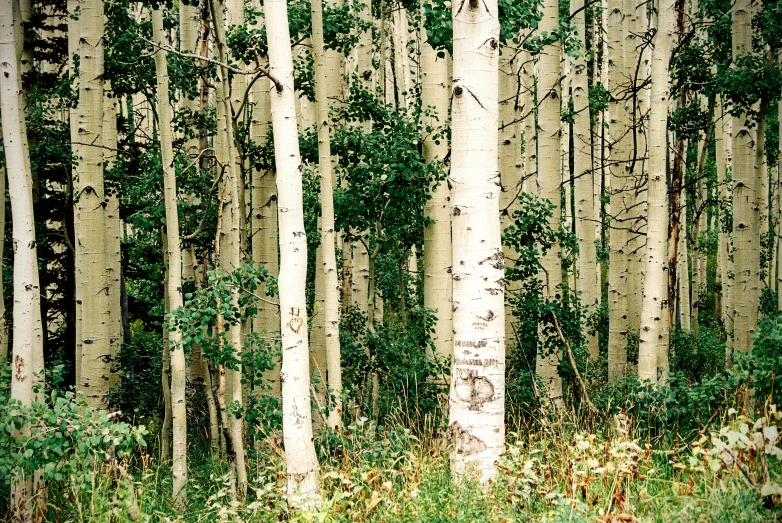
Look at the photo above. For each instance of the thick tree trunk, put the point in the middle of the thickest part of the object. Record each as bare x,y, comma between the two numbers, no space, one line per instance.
327,76
476,420
302,463
92,266
549,184
27,350
174,269
653,344
745,200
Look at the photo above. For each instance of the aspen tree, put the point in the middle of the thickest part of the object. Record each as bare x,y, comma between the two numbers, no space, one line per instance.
435,94
230,237
586,265
476,417
27,349
549,183
174,269
722,195
300,455
368,78
779,212
653,344
683,268
745,216
618,237
94,344
510,161
264,242
527,101
326,73
3,316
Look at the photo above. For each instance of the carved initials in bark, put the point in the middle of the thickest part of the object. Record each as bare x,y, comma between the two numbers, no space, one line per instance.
473,389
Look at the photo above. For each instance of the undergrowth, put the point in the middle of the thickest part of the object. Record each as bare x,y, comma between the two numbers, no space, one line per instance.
552,471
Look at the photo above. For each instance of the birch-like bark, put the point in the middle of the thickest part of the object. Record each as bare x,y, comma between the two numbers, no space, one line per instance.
96,355
302,463
617,255
510,161
438,284
264,242
745,199
326,75
27,349
586,265
230,235
653,344
174,269
476,418
683,268
549,184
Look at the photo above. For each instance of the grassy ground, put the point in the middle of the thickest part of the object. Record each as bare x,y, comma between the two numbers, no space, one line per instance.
552,472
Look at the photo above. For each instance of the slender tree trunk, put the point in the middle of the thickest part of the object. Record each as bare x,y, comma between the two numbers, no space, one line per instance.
27,350
683,269
618,235
586,268
745,204
438,285
300,455
549,183
510,161
653,344
3,316
476,419
174,269
326,74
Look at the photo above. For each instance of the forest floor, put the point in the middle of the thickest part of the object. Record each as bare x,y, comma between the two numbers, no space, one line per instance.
563,471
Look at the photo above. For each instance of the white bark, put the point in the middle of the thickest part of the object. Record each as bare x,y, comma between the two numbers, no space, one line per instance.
550,186
653,346
27,350
327,62
476,420
174,270
438,284
300,455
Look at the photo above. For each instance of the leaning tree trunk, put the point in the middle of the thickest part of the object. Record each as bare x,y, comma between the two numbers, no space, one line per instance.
476,418
27,350
174,272
326,73
653,347
302,463
549,185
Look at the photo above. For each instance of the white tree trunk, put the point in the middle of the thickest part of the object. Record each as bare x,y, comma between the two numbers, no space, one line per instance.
302,463
326,75
653,347
27,350
745,200
476,420
586,265
174,270
550,186
438,284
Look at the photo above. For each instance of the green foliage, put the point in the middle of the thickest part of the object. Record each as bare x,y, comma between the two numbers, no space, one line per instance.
139,366
59,435
764,363
387,180
513,17
699,356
